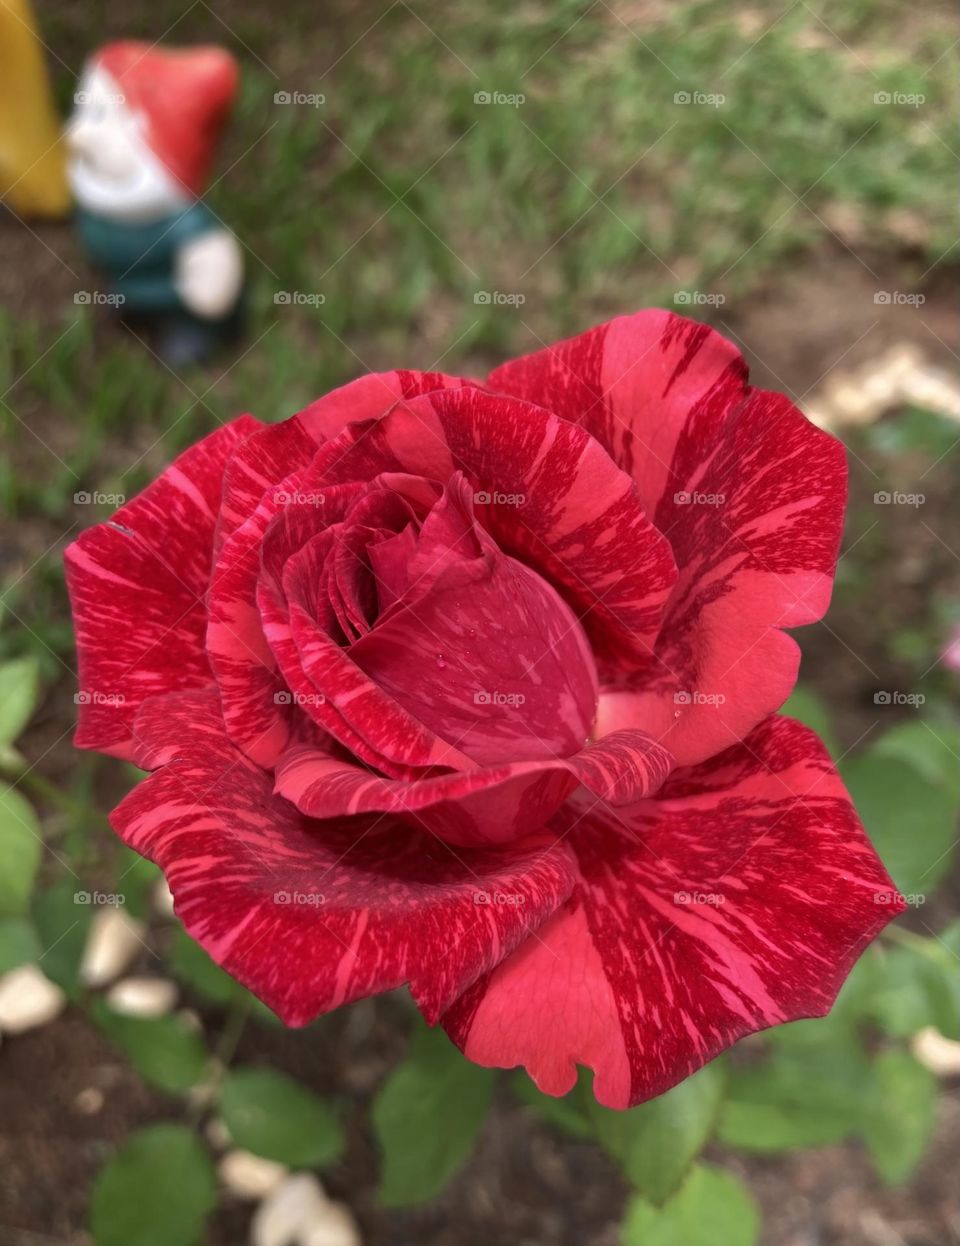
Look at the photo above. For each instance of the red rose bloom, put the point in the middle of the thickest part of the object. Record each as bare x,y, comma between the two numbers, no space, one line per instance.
469,686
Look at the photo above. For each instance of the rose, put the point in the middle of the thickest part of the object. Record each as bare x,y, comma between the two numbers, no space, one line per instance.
353,681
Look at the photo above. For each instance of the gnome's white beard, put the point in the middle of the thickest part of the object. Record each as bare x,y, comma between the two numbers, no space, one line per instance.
112,171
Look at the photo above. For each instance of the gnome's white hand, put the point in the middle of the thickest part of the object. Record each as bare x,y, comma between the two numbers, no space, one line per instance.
208,274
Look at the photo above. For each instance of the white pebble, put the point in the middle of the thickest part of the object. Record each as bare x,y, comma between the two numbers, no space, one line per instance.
142,997
114,940
284,1215
163,898
89,1101
939,1054
28,999
250,1176
333,1226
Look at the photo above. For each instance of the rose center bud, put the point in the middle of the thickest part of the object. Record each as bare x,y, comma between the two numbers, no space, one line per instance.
476,645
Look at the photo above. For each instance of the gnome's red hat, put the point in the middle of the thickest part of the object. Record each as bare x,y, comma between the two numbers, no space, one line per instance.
185,95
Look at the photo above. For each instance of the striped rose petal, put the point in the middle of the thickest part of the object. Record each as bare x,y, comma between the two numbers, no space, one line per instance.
737,898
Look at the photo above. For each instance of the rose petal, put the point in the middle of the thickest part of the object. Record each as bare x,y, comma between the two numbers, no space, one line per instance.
646,973
312,915
137,584
748,492
273,474
492,805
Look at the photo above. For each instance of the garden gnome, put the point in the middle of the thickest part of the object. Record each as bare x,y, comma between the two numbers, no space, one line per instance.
142,140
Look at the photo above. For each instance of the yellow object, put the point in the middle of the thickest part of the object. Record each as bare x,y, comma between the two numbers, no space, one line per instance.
32,163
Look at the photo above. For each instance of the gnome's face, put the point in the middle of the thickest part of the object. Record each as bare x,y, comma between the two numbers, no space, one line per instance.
112,170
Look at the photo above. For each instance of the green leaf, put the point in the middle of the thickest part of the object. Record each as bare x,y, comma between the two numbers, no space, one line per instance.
712,1208
930,747
657,1142
805,706
62,927
569,1113
808,1093
274,1116
910,820
18,697
427,1116
901,1115
195,969
18,944
136,877
21,844
157,1190
164,1050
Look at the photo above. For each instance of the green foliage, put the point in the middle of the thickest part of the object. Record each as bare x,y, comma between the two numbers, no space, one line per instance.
657,1142
157,1190
18,943
899,1118
273,1116
808,708
427,1116
21,845
711,1208
910,817
165,1051
62,927
19,688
